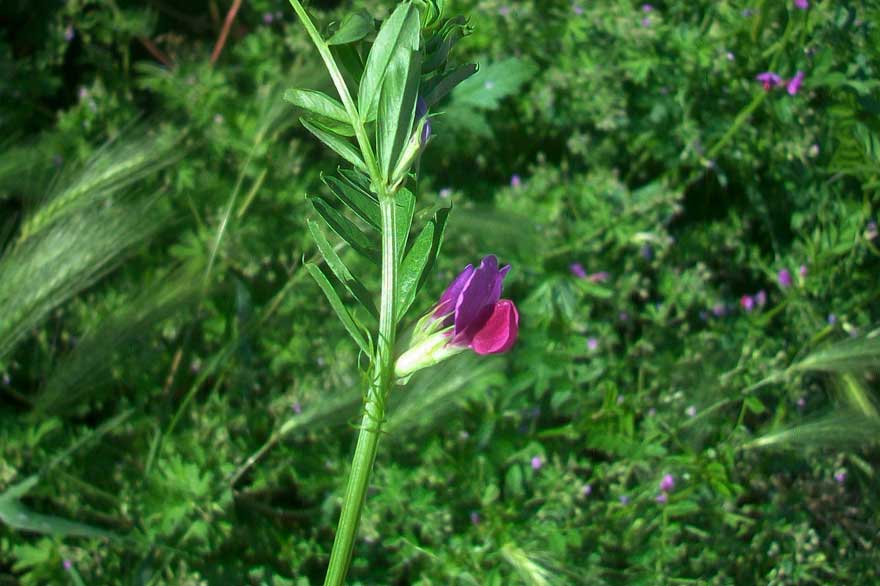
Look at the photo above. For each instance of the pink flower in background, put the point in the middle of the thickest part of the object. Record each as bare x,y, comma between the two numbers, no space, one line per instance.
769,80
840,477
599,277
747,302
802,4
577,269
592,344
647,8
667,483
794,84
761,298
537,463
784,278
803,271
662,498
515,180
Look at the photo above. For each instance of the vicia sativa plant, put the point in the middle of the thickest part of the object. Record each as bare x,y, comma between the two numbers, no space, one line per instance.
387,79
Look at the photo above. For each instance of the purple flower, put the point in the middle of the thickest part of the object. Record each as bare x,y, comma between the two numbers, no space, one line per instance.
297,407
592,344
646,22
475,518
747,302
761,298
667,483
472,304
661,498
577,9
577,269
647,8
769,80
421,111
719,310
803,271
840,477
504,11
624,500
537,462
801,402
599,277
623,316
794,84
515,180
69,33
784,278
730,56
268,17
68,565
587,490
802,4
832,319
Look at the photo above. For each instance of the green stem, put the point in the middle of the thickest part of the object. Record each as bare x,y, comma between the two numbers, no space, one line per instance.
374,407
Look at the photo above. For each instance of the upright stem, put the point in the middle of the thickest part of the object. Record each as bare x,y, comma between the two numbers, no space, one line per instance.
383,358
374,408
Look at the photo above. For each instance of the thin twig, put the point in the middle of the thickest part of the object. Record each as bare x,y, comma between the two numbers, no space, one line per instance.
155,51
227,24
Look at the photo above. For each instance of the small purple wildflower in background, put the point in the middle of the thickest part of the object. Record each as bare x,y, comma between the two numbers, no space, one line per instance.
623,316
515,180
297,407
599,277
592,344
445,193
646,22
577,9
769,80
730,56
83,93
801,402
587,490
475,518
577,269
832,319
624,500
661,498
504,11
784,278
803,271
719,310
268,17
795,83
68,565
840,477
747,302
537,462
69,33
871,230
647,8
761,298
667,483
691,411
802,4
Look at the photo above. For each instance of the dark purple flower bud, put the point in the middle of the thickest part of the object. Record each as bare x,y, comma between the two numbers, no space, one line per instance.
667,483
421,112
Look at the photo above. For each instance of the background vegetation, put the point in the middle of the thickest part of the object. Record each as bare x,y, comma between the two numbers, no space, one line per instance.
695,259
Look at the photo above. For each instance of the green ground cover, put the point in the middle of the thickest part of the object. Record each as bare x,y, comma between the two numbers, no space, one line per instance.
687,193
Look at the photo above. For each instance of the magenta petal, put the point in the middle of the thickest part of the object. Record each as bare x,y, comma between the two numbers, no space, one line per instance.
479,294
499,332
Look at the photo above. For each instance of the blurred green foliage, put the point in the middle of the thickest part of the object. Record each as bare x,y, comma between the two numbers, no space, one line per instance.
177,399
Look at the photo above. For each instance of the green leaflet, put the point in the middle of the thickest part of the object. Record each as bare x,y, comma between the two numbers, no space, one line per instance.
353,328
405,202
419,260
352,285
400,29
354,27
346,229
356,200
342,147
397,105
317,103
19,517
439,86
